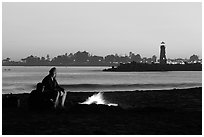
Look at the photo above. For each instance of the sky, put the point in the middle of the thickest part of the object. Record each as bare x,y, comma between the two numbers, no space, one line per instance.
101,28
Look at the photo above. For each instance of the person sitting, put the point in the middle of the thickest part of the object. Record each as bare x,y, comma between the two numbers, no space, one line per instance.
36,97
52,90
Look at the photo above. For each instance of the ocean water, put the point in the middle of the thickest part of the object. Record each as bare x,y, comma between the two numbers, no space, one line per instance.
19,79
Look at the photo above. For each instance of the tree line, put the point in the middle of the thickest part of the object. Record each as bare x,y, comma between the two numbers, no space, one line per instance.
83,59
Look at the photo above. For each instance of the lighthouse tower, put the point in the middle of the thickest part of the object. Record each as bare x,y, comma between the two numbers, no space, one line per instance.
162,53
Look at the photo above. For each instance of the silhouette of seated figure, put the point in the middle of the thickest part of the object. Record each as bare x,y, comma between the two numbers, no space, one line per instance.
53,91
36,98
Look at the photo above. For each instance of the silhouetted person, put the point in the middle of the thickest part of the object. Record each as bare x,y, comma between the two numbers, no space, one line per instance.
52,90
36,98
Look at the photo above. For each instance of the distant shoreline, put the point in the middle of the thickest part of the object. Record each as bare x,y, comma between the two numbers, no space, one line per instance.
144,67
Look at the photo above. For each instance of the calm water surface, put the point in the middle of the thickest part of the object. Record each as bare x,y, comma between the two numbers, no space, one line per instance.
18,79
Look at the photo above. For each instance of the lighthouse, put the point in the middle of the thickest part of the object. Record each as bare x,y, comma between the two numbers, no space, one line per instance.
162,53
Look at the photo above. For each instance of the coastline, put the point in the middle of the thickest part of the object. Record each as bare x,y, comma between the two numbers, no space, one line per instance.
144,67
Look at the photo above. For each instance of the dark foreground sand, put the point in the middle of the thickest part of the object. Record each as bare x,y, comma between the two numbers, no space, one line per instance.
165,112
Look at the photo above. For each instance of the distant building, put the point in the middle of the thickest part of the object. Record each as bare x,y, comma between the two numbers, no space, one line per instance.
162,53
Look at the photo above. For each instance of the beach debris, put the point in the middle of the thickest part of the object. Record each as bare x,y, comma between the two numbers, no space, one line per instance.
98,99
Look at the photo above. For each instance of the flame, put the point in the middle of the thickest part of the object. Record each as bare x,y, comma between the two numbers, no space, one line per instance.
97,99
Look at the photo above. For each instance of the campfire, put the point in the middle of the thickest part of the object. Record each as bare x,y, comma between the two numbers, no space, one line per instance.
98,99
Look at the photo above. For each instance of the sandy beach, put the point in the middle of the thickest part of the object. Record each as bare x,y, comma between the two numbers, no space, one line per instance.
150,112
